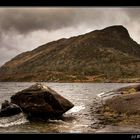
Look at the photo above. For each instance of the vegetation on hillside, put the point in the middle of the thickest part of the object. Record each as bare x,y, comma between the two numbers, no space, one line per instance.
108,55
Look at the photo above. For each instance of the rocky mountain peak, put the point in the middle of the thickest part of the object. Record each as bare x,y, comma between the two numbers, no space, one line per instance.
116,30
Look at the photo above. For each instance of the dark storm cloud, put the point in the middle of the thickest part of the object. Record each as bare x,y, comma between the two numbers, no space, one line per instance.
24,20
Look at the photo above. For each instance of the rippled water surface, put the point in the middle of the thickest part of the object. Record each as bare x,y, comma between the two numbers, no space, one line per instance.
77,120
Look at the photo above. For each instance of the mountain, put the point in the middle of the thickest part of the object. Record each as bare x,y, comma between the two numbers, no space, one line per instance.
106,55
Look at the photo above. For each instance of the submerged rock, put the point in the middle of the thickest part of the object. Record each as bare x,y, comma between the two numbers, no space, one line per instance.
132,89
129,89
9,109
39,101
5,104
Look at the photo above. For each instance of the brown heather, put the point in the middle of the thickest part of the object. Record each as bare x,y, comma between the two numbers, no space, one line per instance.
107,55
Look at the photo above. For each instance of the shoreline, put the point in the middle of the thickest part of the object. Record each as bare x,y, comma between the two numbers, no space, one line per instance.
92,82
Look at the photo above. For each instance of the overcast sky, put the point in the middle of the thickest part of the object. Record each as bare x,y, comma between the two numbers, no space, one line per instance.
23,29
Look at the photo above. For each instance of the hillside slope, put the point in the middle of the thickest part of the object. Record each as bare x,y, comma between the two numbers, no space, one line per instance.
101,55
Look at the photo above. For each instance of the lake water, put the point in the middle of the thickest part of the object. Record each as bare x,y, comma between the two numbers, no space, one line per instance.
77,120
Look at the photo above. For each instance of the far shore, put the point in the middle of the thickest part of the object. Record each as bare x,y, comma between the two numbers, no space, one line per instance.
127,80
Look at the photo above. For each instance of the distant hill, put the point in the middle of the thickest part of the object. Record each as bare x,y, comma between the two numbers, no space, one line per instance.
107,55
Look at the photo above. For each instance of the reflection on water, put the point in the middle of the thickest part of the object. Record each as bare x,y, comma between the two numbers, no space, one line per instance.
76,109
77,120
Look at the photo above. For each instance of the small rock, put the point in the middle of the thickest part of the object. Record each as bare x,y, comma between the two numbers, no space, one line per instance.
9,109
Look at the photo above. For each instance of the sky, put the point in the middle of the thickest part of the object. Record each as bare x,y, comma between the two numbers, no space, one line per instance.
25,28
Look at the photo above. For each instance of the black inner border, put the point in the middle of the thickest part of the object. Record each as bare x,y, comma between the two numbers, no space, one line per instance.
69,3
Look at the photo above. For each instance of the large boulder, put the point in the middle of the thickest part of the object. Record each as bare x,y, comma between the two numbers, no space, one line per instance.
39,101
9,109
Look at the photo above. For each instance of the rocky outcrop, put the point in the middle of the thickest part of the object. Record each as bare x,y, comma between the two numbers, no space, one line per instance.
125,104
123,108
9,109
39,101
